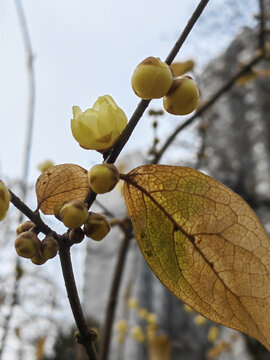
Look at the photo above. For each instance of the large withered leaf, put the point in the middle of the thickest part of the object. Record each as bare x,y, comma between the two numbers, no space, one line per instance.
61,183
205,245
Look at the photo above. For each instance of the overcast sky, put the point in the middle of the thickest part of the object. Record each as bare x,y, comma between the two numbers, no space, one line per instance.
84,49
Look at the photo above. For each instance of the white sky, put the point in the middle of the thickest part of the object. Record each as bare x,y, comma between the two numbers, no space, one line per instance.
84,49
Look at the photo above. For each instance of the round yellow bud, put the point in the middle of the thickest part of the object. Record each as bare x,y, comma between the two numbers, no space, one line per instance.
132,303
27,244
142,312
103,178
212,333
49,247
38,259
4,200
183,97
137,333
151,318
96,227
25,226
199,320
121,326
73,214
152,79
76,235
57,209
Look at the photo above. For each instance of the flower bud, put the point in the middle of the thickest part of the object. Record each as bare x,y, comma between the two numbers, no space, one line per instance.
49,247
4,200
27,244
45,165
76,235
25,226
121,326
103,178
137,333
96,226
142,312
183,96
180,68
73,214
100,127
57,209
152,79
38,259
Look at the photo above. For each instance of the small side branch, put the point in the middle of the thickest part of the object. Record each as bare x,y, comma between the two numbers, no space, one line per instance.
262,26
33,216
205,106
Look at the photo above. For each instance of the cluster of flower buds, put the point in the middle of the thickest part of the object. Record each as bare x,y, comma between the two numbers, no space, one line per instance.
29,246
147,331
98,128
4,200
74,214
153,79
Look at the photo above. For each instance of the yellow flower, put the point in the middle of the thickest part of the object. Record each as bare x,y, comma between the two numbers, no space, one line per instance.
132,303
199,320
142,312
151,318
121,326
100,127
4,200
212,333
137,333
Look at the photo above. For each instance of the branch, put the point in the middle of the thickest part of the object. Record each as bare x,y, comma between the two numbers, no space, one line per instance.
85,337
33,216
111,305
143,104
262,27
205,106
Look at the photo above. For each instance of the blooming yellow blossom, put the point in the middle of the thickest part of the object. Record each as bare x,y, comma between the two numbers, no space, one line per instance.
100,127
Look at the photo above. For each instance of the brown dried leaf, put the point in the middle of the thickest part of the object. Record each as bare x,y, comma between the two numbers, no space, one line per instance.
61,183
205,245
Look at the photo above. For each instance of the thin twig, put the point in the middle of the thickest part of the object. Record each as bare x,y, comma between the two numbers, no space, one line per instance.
205,106
143,104
262,27
85,337
33,216
111,305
